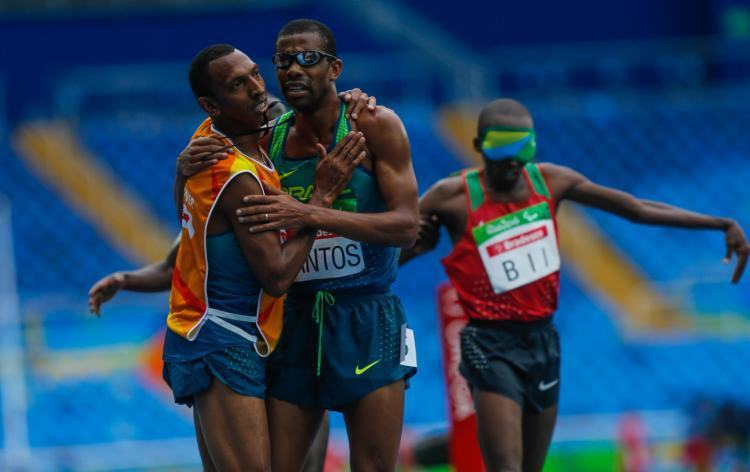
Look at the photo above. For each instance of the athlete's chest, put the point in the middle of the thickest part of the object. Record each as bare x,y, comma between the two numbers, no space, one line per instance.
296,148
298,177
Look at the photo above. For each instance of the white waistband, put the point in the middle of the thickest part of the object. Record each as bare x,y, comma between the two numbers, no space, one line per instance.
217,316
211,312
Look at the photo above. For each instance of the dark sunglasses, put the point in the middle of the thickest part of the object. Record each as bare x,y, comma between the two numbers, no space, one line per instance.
283,60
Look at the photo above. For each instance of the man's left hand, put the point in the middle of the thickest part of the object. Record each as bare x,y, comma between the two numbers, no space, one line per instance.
272,211
358,102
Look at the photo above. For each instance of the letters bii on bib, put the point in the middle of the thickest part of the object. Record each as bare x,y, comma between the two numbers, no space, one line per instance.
518,248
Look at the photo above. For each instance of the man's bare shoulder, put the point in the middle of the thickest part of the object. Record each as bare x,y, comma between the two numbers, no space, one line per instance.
555,171
561,179
379,120
549,168
444,197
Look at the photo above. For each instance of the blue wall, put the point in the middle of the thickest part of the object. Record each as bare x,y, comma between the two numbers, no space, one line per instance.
36,51
487,24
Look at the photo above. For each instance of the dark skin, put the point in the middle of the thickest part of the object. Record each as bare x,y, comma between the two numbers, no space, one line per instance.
155,277
207,151
240,76
233,427
510,438
373,435
239,104
444,205
388,157
204,152
313,90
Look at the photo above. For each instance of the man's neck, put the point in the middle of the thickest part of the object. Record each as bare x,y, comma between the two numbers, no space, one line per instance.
504,188
317,125
241,137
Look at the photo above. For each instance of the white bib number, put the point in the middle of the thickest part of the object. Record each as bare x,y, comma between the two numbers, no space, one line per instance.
332,257
519,248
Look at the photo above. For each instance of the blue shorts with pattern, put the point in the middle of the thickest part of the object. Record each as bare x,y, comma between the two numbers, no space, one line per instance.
238,367
357,348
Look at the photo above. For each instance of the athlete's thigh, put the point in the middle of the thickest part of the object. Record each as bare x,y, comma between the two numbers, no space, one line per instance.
208,464
292,429
499,426
537,434
374,425
235,429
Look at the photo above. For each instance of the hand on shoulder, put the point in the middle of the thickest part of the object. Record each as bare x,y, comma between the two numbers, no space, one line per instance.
381,118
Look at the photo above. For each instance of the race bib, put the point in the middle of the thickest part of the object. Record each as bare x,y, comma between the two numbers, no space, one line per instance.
331,257
519,248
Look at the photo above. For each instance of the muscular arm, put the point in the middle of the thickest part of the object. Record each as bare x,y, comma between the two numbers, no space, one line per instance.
274,264
573,186
440,205
570,185
398,225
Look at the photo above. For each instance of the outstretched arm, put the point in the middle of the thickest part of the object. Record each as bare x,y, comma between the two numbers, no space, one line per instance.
155,277
573,186
397,226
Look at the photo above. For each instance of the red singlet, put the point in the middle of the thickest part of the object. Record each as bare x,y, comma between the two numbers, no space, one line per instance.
506,264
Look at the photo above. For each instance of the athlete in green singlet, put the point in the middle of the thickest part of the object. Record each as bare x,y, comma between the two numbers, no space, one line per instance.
346,337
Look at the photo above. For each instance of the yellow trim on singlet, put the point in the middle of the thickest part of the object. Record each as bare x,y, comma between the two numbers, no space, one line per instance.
56,156
598,265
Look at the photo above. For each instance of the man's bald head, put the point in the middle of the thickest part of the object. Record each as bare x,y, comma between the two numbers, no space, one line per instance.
504,112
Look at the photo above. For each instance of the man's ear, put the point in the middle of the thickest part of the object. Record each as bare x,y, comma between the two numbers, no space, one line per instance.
337,66
210,106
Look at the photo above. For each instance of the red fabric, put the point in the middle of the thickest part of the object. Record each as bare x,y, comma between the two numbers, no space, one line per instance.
464,445
183,289
466,272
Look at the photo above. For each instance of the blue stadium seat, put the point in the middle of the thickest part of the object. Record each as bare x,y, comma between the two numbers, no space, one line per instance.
56,249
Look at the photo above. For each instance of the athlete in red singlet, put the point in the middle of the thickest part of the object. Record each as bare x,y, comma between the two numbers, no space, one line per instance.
505,266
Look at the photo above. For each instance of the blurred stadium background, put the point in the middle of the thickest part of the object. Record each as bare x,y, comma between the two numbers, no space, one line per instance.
651,96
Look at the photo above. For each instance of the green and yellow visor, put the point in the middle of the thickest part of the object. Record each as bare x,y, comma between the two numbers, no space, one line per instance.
499,142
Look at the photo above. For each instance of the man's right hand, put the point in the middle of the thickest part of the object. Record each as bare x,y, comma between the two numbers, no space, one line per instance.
104,290
201,153
736,244
429,234
334,170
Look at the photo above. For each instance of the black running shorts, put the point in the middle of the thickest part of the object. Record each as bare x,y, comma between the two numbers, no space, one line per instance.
520,361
